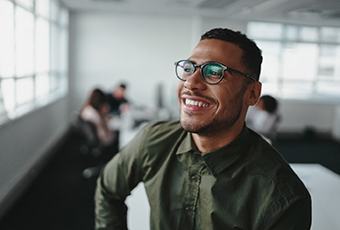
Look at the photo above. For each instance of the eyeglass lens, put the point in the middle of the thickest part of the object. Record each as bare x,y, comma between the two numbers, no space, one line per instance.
212,72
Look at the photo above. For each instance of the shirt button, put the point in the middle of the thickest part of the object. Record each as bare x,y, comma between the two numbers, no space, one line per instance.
193,178
187,209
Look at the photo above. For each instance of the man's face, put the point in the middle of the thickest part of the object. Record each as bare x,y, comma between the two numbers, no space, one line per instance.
209,109
119,93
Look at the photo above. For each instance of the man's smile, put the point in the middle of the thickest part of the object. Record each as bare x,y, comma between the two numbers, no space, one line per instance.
195,103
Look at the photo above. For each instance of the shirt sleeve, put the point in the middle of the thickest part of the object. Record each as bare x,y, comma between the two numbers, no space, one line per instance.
294,216
117,179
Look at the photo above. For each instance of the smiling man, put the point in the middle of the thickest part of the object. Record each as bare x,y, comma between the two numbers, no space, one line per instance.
208,170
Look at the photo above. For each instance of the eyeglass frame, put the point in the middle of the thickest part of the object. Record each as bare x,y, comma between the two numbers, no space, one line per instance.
224,68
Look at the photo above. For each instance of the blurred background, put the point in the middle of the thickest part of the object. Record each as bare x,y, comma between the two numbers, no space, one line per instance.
53,53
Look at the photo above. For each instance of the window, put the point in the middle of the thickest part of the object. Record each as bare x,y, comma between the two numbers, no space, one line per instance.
33,57
299,62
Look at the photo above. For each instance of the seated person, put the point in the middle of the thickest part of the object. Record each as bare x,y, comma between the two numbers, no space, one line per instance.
96,110
118,104
263,117
117,101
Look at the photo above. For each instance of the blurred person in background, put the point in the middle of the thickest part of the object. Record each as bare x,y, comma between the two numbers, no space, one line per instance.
95,110
117,100
118,105
263,117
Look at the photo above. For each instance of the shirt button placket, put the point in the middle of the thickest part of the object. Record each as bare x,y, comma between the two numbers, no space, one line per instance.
193,178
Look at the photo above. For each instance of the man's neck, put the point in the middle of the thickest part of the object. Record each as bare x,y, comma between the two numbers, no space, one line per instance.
212,142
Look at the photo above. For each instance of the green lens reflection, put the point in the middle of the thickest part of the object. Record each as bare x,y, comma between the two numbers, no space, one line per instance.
212,72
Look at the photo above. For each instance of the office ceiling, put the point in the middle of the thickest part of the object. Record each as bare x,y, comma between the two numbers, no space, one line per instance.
308,12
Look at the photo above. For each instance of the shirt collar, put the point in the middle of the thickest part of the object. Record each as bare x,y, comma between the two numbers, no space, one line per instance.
219,159
186,146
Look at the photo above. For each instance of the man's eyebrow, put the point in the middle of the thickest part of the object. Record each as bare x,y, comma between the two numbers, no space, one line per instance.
203,62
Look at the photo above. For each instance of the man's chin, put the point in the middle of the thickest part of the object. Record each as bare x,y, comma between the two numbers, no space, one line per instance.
206,129
191,126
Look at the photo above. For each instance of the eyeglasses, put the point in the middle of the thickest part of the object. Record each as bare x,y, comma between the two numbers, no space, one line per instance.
211,72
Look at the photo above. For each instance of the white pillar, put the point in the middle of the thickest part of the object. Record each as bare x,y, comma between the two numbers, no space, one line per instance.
196,30
336,125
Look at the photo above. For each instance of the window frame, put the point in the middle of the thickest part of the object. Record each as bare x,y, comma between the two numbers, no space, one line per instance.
10,109
278,85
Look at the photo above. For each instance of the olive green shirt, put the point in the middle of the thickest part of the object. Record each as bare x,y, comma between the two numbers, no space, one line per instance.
243,185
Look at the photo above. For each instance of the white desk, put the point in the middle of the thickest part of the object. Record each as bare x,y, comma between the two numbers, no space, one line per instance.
324,187
138,209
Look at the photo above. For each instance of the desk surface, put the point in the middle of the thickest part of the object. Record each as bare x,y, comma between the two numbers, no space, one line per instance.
324,187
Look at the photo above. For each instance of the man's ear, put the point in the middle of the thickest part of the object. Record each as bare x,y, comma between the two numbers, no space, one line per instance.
254,92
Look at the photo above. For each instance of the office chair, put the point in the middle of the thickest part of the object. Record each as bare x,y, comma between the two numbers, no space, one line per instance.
90,146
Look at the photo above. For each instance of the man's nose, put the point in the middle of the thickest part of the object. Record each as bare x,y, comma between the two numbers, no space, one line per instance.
195,81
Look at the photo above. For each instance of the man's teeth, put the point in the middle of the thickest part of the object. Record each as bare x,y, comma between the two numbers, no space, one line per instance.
195,103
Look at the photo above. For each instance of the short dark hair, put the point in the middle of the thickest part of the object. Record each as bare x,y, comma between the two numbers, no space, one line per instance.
252,55
122,85
270,103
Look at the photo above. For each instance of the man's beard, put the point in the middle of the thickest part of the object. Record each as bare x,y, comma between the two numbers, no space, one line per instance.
218,125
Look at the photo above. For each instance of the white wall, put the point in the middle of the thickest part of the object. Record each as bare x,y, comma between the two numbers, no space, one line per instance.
24,143
137,49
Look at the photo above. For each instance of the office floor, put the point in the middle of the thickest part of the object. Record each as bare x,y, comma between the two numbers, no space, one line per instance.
61,198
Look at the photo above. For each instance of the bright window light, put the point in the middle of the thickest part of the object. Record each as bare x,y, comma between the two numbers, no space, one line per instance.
8,90
24,40
25,3
263,30
271,64
309,34
299,62
42,82
327,89
42,54
329,34
24,90
42,8
291,33
33,57
6,39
